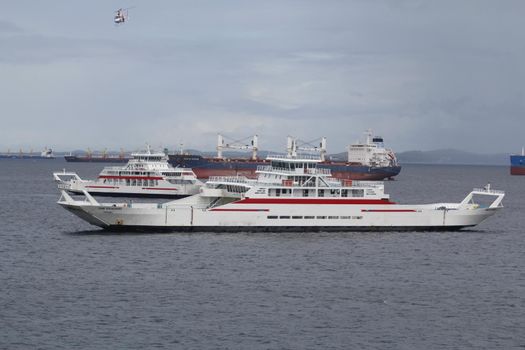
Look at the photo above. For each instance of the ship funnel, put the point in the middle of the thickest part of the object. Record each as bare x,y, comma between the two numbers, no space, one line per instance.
220,145
255,146
323,149
291,146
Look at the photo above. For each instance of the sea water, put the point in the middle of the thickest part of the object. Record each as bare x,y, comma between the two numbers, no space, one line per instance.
67,285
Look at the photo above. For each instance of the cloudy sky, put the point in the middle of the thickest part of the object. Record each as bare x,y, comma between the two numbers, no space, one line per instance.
424,74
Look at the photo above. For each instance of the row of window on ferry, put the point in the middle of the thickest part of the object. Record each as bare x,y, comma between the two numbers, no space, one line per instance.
314,217
144,173
293,166
146,182
283,192
132,182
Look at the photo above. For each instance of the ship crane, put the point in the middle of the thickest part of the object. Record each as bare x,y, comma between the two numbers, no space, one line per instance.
292,147
253,146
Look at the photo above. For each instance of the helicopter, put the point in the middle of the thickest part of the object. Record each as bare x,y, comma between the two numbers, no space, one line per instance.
121,15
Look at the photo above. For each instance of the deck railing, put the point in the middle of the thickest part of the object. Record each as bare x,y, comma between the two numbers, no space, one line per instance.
229,179
298,171
488,191
299,157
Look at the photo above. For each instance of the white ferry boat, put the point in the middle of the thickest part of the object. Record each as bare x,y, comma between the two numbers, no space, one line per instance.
290,194
145,175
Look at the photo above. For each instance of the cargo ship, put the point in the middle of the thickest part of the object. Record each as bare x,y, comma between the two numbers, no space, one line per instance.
103,158
517,163
368,160
47,153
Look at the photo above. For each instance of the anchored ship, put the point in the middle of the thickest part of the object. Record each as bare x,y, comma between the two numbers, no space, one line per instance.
147,174
368,160
517,163
89,157
47,153
289,194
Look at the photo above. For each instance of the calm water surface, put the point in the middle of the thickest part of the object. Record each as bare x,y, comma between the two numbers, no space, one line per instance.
66,285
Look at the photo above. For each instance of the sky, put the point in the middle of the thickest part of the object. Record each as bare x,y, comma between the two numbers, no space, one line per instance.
423,74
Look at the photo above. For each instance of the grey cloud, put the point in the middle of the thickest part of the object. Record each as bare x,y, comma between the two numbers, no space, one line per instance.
408,69
7,27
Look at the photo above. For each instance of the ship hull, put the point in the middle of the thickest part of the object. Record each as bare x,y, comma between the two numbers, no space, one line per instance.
173,192
274,229
17,156
206,167
245,216
517,165
77,159
132,194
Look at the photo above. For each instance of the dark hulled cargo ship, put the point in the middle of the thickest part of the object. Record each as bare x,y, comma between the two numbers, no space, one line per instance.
366,161
47,153
205,167
95,159
89,157
517,163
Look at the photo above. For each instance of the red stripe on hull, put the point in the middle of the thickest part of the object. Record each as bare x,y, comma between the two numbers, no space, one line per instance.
517,170
388,210
311,201
101,186
240,210
130,177
159,188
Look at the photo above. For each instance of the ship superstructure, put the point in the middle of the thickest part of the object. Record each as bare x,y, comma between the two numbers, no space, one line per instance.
372,152
289,194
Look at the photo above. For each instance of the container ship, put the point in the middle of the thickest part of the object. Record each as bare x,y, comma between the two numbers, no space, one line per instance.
517,163
368,160
103,158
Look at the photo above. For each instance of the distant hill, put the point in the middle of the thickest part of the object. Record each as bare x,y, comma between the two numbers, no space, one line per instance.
451,156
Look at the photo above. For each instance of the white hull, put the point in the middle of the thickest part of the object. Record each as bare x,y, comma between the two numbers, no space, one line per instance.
173,191
277,217
291,194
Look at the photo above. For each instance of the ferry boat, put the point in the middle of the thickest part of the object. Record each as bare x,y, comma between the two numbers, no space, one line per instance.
368,160
517,163
146,175
289,194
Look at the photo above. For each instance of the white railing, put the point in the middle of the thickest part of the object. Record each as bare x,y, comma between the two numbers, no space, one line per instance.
298,158
321,171
370,184
296,171
484,190
229,179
